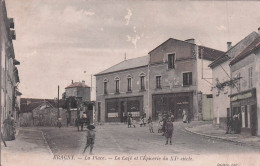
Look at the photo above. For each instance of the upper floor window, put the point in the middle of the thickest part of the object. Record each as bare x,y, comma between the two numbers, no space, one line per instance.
171,61
238,83
105,87
250,77
187,78
117,84
158,81
142,86
129,83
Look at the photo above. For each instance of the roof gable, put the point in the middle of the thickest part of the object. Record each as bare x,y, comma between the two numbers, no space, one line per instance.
77,85
235,50
127,64
253,46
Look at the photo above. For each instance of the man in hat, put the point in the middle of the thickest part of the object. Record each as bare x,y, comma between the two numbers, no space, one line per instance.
90,138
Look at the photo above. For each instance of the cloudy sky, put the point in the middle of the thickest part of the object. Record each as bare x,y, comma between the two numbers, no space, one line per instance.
63,40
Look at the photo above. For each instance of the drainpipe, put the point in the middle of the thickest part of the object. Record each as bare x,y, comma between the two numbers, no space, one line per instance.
148,89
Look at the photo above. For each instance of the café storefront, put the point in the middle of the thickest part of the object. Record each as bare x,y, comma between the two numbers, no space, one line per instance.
244,105
172,103
117,109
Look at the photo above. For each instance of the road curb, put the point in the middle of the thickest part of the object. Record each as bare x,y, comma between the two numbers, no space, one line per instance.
222,139
48,147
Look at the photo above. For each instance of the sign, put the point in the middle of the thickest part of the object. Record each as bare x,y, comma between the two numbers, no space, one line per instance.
241,96
112,115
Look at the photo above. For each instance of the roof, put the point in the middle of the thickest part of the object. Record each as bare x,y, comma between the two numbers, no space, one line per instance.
127,64
77,84
253,46
29,104
209,53
186,41
235,50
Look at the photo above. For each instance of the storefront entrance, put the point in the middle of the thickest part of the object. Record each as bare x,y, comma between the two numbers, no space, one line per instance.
244,112
117,109
173,103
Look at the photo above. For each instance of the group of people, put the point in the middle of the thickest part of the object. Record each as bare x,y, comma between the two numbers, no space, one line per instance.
234,124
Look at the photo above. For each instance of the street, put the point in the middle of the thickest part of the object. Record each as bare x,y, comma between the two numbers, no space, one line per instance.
117,139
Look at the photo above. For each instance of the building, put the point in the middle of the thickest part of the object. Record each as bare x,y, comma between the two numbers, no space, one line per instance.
40,112
174,76
78,90
122,88
222,77
9,72
244,96
77,96
180,78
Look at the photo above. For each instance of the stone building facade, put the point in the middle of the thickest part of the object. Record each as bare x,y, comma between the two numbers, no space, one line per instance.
172,78
8,70
244,97
221,78
78,90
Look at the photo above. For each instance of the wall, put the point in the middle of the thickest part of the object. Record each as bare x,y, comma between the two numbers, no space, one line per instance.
182,49
204,85
79,92
26,119
221,101
257,85
134,73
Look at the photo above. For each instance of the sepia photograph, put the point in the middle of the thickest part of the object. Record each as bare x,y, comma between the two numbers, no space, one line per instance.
129,82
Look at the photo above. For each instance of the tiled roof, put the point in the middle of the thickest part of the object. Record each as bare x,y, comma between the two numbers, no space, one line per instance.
77,84
209,53
254,45
127,64
29,104
235,50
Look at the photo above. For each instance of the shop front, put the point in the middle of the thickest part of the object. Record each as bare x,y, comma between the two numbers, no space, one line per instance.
117,109
244,112
172,104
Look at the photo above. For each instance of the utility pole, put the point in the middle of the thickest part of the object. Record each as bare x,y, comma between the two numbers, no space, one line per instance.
58,101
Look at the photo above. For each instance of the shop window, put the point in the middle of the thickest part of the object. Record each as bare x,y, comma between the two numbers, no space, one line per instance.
171,61
187,79
158,82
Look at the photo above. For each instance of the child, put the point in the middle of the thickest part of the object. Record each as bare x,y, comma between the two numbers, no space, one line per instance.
90,138
150,123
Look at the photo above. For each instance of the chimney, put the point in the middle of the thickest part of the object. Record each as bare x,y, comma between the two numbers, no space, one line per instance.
72,81
229,45
259,30
192,41
83,81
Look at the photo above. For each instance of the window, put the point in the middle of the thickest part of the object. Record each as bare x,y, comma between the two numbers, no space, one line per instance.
238,83
117,84
250,77
187,78
105,87
158,82
129,84
171,61
142,83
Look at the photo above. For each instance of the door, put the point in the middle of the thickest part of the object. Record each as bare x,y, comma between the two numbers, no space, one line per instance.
99,111
253,120
122,112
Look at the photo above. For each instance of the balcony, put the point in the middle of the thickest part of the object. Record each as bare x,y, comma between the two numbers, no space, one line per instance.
11,23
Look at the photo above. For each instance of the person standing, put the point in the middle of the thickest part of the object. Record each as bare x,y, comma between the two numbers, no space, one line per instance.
150,124
184,115
9,128
90,138
168,131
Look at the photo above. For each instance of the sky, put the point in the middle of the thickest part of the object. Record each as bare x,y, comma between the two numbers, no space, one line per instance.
62,40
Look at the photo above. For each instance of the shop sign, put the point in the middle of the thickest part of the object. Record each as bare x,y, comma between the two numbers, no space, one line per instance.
112,115
241,96
184,102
